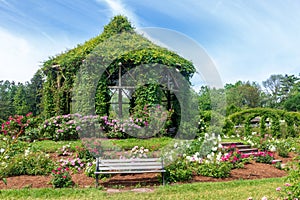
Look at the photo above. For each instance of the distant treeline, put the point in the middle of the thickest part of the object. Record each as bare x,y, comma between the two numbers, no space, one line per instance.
278,91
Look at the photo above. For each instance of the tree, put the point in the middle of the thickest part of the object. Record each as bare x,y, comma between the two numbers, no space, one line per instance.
273,88
7,92
288,83
35,88
21,103
293,103
204,99
243,95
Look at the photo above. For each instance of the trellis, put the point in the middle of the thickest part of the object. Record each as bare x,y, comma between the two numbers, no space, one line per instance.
169,85
245,116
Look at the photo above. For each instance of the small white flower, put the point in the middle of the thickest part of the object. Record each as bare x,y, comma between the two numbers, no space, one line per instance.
175,145
188,158
219,156
4,138
209,156
27,151
272,148
2,150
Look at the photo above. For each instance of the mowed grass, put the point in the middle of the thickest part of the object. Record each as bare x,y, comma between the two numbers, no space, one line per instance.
234,190
152,144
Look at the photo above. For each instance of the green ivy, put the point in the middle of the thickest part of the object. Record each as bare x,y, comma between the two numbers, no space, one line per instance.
74,83
244,117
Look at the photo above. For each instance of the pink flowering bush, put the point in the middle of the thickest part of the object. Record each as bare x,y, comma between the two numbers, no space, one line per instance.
236,158
291,189
61,178
74,164
264,157
10,132
62,127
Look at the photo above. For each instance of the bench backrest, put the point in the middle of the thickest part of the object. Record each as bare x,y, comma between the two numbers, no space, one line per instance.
130,165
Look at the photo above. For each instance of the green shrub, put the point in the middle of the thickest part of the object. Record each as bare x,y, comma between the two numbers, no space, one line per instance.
291,189
180,170
60,128
61,178
28,164
283,150
264,157
216,170
90,170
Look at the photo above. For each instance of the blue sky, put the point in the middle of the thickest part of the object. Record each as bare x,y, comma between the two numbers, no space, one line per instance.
247,40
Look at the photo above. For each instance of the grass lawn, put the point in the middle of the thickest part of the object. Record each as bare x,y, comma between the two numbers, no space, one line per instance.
152,144
235,190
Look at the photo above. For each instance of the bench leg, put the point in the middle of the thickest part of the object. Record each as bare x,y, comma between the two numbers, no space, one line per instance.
163,177
97,181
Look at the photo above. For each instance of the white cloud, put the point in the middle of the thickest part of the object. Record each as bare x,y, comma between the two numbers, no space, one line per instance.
21,57
17,57
117,7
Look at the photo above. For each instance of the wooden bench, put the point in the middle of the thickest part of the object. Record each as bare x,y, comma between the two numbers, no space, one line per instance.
129,166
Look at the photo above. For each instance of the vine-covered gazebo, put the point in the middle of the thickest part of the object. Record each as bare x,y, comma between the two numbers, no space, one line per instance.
115,68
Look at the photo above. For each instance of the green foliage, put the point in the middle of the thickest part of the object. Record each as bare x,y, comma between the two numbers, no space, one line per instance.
274,115
291,189
216,170
214,122
118,44
21,100
180,170
243,94
61,178
282,149
90,170
117,25
61,127
264,157
293,103
29,163
204,99
7,93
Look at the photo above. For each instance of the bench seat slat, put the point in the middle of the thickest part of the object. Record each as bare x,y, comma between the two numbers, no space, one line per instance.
131,164
131,160
128,167
129,172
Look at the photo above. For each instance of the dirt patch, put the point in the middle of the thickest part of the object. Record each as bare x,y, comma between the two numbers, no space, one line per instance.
126,181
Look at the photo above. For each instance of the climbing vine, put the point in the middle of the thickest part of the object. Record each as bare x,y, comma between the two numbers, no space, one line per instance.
77,80
274,116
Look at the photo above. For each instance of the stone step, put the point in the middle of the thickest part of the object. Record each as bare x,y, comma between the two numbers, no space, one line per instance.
243,146
228,144
276,161
244,151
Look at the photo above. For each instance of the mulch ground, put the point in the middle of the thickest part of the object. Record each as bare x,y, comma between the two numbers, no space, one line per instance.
250,171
